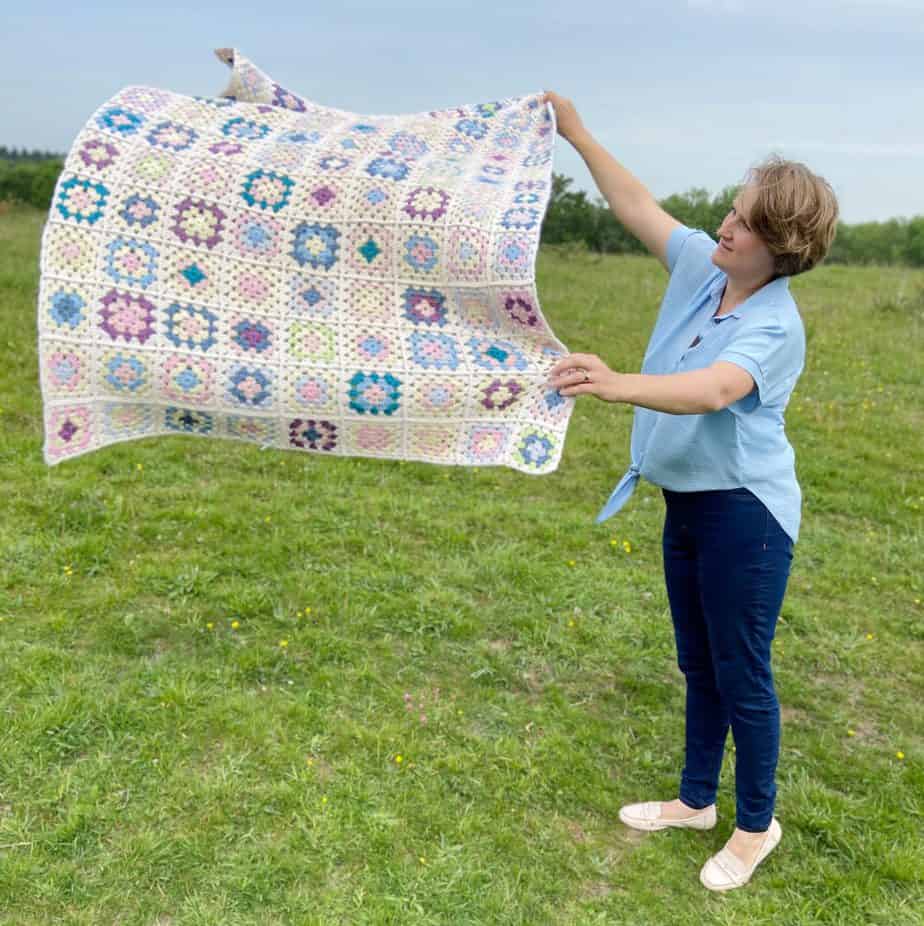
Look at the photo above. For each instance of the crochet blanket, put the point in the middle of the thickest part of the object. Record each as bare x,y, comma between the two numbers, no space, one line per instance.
257,267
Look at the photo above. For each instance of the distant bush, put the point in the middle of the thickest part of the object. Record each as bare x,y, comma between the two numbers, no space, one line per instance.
30,182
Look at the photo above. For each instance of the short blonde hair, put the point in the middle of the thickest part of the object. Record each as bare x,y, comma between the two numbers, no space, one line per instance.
795,212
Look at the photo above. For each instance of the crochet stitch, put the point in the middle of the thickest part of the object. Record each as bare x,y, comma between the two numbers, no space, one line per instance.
258,267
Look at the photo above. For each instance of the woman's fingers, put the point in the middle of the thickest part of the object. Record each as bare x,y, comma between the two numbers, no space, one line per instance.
570,376
558,372
566,116
579,389
584,361
569,379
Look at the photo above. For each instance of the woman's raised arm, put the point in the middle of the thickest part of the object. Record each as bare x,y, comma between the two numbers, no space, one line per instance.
630,200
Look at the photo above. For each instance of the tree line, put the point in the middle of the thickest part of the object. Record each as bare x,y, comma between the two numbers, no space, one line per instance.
571,217
32,154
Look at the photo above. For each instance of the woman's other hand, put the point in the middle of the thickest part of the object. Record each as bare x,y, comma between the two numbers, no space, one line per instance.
692,392
568,377
566,116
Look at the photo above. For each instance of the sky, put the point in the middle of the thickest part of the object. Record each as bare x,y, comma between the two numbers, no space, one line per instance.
683,93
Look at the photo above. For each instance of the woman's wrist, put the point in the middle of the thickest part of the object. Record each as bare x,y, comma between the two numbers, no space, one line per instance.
614,389
581,139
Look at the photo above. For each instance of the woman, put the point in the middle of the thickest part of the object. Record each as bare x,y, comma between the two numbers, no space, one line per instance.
725,353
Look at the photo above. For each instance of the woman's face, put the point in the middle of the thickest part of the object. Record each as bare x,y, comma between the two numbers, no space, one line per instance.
741,253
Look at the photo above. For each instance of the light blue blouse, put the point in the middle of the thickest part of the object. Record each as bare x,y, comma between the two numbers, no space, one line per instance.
745,443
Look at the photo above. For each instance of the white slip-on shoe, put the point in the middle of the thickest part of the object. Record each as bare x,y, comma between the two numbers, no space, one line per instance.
725,870
647,816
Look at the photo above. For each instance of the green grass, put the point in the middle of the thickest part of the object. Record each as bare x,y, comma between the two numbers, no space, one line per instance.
156,770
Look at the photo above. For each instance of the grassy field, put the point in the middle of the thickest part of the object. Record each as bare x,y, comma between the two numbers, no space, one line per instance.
244,687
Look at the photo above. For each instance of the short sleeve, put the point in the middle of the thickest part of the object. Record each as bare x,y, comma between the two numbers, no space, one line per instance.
689,258
773,354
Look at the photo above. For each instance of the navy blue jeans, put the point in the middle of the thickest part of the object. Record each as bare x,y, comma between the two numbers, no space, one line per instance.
726,565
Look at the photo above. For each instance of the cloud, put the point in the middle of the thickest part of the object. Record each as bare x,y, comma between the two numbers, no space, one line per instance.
808,6
879,13
861,149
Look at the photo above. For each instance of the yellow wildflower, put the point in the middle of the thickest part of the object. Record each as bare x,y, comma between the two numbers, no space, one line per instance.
283,643
899,755
399,759
235,625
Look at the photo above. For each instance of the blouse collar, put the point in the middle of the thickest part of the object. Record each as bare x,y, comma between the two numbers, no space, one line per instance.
768,290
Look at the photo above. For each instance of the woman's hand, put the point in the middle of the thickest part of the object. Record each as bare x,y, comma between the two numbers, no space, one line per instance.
692,392
566,117
586,374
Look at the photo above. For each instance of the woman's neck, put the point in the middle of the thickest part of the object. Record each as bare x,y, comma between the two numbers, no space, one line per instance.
736,292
